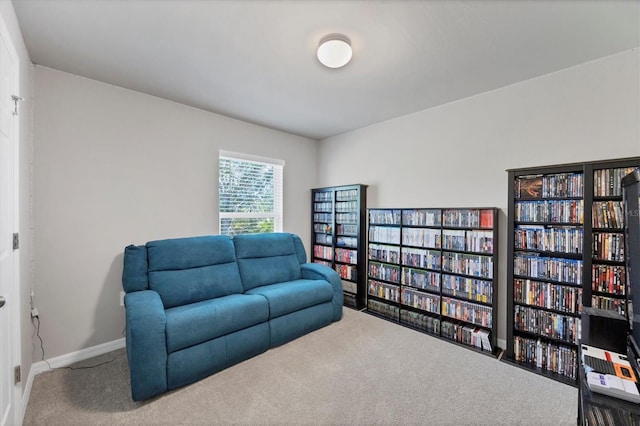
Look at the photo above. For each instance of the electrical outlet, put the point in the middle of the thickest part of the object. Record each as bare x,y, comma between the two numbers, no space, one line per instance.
34,313
122,298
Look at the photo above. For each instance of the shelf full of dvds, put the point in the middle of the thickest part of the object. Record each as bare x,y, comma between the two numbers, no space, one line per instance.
433,270
338,236
565,251
608,272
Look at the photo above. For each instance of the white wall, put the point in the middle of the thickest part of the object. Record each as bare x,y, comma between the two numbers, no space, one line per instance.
114,167
25,154
456,155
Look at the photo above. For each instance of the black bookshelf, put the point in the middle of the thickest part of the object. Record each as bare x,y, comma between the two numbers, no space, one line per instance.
608,270
434,270
564,251
338,236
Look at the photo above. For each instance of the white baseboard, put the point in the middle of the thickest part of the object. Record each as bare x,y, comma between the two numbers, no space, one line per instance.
65,361
81,355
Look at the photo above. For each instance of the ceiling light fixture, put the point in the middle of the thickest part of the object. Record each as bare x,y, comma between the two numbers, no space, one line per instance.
334,51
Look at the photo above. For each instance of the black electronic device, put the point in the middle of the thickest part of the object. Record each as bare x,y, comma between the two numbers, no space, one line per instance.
604,329
631,206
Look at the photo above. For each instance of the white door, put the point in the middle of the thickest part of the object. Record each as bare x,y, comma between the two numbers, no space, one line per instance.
8,225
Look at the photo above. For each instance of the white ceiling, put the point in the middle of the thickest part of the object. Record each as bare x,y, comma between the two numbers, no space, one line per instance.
255,59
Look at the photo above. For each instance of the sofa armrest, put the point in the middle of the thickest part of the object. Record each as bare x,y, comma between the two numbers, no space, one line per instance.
316,271
146,343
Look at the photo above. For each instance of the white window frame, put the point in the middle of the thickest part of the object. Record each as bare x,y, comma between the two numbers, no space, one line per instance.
278,165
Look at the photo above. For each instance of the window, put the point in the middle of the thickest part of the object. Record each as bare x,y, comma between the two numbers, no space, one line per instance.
250,194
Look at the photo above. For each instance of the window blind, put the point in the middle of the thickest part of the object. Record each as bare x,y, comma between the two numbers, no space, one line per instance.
250,194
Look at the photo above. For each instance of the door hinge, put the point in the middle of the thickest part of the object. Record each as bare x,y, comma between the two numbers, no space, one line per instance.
16,375
15,100
16,241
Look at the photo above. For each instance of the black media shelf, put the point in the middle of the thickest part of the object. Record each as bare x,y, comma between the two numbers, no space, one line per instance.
574,212
338,236
415,253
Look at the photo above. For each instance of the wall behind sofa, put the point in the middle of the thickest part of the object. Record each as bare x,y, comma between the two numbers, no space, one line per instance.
115,167
456,155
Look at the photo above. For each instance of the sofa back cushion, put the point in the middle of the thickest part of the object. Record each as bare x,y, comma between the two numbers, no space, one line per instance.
267,258
189,270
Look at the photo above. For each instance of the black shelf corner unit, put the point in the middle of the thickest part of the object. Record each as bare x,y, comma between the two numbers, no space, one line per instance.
434,270
565,250
338,236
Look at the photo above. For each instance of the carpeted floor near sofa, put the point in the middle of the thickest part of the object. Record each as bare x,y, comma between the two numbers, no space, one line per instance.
360,371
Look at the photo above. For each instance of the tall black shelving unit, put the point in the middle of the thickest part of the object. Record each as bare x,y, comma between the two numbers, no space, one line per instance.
564,251
631,207
607,263
338,236
434,270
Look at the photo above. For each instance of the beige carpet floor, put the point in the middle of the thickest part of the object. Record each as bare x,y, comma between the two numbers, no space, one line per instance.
360,371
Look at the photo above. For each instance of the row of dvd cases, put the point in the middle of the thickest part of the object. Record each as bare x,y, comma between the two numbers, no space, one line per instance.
434,270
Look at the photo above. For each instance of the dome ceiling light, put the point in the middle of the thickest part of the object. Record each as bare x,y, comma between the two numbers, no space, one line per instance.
334,51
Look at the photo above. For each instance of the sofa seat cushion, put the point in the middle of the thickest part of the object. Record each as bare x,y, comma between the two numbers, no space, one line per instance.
199,322
291,296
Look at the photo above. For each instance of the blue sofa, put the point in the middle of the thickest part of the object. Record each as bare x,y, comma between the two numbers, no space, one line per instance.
197,305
